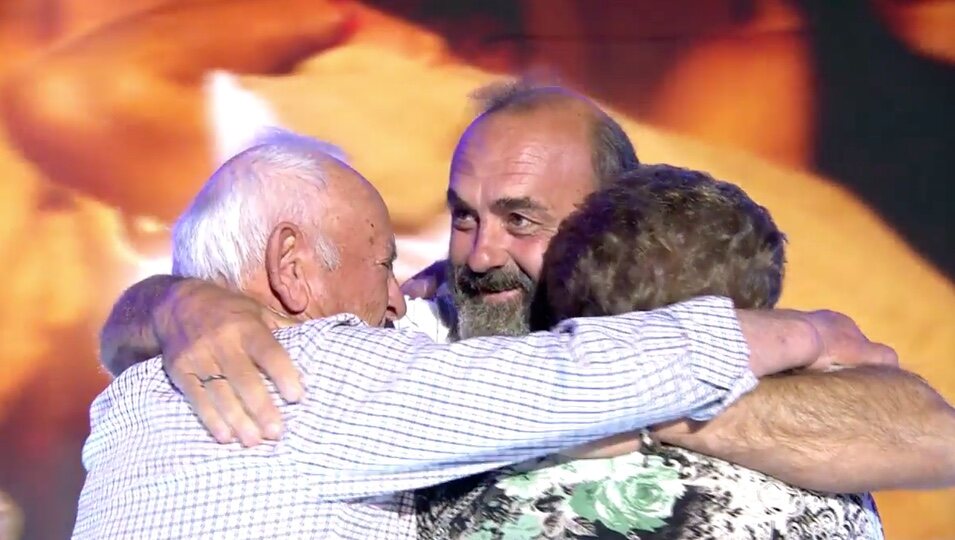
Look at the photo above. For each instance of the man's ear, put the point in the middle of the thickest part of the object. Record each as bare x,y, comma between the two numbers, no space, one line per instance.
284,265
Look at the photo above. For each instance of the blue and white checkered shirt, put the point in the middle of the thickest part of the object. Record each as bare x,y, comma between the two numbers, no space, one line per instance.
389,411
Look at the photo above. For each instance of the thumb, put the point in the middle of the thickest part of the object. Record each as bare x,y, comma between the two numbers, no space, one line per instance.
419,287
275,320
883,355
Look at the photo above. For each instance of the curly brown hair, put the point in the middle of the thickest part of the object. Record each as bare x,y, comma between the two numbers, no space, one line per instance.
660,235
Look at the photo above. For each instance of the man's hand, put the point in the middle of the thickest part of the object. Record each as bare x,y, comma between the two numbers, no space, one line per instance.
782,340
843,344
425,284
215,343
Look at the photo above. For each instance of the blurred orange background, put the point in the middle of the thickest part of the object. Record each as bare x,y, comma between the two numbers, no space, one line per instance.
836,115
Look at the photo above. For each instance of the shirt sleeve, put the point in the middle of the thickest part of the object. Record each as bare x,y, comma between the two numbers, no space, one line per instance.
388,410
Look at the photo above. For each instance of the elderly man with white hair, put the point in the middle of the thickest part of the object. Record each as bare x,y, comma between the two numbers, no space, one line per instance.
388,410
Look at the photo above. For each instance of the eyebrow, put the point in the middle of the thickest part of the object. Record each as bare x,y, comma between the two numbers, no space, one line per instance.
454,201
393,252
514,204
501,206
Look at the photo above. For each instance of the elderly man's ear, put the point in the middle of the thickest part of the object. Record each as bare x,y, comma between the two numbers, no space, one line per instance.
286,255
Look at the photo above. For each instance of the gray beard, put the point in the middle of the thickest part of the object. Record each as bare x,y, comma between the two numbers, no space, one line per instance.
476,318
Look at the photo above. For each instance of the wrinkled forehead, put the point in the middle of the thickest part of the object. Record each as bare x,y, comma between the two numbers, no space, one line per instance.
547,159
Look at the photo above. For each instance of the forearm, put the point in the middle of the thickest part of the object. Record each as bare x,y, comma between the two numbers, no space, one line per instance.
774,337
417,413
862,429
128,336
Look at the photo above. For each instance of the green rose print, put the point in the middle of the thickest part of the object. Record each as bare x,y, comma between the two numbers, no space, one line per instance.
671,491
625,493
641,501
483,534
528,485
526,527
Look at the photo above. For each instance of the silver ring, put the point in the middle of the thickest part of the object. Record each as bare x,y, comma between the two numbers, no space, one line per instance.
209,378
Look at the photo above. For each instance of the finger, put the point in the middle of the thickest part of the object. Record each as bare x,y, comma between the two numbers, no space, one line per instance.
416,287
425,283
202,405
252,392
275,321
230,408
885,355
242,392
867,353
275,362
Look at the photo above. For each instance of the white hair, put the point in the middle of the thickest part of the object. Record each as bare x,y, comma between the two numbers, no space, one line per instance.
222,235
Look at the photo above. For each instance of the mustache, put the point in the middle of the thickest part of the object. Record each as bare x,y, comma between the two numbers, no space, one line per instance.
493,281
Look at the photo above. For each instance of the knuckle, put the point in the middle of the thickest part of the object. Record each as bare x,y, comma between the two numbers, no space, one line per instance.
232,414
243,331
273,363
266,415
185,362
244,375
207,413
195,394
188,353
253,392
257,401
230,327
185,382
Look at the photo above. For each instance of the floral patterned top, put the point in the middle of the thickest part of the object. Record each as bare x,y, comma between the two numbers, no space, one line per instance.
659,493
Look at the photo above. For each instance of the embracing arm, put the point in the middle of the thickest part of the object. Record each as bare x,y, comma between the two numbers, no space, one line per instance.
202,329
863,429
390,411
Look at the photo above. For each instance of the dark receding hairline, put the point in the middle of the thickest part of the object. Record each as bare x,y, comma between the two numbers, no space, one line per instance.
612,152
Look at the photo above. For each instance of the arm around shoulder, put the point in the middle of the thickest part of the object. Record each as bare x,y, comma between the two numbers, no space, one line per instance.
407,412
868,428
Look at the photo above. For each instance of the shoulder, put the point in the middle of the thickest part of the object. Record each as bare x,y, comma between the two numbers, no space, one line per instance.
132,383
344,339
125,405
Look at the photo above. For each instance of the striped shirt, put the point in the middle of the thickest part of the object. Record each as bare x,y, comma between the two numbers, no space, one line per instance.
390,411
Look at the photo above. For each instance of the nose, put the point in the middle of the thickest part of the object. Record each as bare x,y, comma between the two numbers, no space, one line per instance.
396,300
488,251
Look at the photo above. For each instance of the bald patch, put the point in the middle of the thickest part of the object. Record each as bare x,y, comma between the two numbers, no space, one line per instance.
523,96
546,132
611,151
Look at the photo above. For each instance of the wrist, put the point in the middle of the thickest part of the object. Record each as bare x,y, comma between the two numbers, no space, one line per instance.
779,340
803,342
690,434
